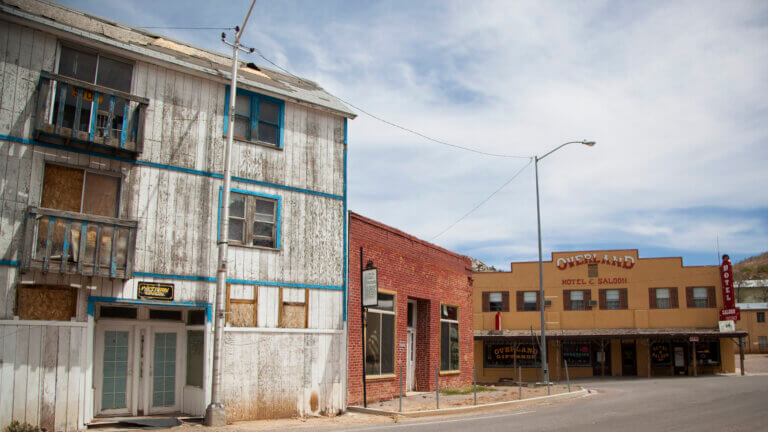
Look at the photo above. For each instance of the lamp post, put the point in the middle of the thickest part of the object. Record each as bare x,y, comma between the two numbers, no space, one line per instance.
544,358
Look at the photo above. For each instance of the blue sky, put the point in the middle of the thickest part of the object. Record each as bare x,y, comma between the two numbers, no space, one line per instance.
673,93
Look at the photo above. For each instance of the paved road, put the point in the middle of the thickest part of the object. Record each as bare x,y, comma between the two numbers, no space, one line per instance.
713,403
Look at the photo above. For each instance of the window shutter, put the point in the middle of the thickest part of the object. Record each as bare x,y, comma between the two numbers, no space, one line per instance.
587,299
689,296
486,301
652,298
505,301
566,299
519,300
623,301
673,298
602,299
711,299
538,301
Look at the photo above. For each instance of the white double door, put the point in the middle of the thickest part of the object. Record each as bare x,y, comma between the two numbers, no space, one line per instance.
138,368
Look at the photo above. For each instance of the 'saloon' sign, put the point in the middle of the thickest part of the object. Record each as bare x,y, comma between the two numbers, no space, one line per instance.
370,287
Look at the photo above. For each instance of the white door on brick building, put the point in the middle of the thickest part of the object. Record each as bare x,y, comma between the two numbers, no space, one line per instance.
411,347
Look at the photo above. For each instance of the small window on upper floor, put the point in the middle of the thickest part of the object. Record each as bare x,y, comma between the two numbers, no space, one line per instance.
495,300
592,270
761,317
80,191
253,220
94,68
257,118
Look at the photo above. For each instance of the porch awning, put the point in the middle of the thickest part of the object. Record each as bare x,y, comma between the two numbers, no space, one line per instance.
619,333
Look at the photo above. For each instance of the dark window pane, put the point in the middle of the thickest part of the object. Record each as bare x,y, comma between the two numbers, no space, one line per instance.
410,314
262,229
195,351
114,74
118,312
164,314
269,112
257,241
264,207
454,346
444,343
236,230
196,317
450,312
268,133
373,344
77,64
387,344
386,301
242,128
243,105
237,205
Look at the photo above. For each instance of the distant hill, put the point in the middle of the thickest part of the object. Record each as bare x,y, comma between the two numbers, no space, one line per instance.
479,266
755,267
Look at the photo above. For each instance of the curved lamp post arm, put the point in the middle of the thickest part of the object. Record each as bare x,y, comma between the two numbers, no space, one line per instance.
587,143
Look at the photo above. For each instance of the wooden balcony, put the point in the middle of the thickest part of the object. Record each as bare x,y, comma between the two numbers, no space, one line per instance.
64,242
90,117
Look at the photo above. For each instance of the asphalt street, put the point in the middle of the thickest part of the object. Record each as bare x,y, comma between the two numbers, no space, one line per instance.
711,403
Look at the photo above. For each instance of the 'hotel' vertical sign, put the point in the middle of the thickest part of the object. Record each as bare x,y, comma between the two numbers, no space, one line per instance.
729,312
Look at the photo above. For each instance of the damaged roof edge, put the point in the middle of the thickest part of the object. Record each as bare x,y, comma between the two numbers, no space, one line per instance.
316,98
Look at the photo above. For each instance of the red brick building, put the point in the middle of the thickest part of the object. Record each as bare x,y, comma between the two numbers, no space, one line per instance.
423,318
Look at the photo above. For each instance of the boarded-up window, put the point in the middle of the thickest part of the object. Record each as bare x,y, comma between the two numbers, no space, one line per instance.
80,191
45,303
241,312
293,307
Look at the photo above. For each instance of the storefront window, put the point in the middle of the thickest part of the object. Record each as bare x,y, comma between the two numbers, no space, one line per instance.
195,351
660,354
508,354
577,354
380,337
449,338
708,353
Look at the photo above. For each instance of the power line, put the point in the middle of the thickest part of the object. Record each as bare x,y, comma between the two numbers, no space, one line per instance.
417,133
190,28
485,200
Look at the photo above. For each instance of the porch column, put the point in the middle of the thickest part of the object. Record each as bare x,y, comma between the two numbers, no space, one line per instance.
741,353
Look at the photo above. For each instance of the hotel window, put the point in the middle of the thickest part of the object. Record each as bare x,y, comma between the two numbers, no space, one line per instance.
258,118
527,300
662,298
577,300
761,317
700,297
253,220
592,270
613,299
762,342
449,338
380,336
496,301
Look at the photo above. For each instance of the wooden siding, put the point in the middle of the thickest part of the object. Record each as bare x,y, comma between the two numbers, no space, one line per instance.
43,374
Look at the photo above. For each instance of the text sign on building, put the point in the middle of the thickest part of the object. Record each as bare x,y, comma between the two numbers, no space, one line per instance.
155,291
733,314
726,277
370,287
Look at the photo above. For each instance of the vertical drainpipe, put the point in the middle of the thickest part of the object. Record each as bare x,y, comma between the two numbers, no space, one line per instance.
345,358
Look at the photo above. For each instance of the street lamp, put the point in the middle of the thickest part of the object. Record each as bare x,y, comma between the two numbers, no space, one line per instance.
544,359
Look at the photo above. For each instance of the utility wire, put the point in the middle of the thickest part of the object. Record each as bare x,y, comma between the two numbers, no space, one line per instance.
485,200
190,28
417,133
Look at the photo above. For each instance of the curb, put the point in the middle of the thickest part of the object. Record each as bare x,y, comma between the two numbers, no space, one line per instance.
455,410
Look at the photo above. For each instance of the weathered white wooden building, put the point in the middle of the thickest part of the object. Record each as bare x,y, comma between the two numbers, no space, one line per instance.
111,149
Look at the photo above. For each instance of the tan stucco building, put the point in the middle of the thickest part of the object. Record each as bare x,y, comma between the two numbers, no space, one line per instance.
753,321
608,313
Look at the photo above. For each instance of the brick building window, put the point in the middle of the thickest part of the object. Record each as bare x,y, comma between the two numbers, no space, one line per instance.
527,301
613,299
700,297
449,338
761,317
380,336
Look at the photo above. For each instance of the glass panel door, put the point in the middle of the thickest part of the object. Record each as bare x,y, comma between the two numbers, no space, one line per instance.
115,375
164,370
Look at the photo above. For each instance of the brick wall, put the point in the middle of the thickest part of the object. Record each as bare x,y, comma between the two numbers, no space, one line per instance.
416,270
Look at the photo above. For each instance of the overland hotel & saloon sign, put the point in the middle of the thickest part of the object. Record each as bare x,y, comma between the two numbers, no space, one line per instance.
626,262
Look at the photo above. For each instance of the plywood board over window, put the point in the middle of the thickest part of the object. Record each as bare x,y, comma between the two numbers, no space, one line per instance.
242,312
46,303
293,308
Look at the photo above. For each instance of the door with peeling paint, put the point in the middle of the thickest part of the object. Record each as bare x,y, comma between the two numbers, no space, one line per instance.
411,348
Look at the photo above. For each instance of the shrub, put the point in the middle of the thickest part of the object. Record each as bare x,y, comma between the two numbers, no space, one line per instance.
15,426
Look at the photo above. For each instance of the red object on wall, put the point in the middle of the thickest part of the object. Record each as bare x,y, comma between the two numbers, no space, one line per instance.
419,271
726,278
498,321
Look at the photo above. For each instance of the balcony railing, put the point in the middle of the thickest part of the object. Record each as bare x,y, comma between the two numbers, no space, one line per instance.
65,242
89,116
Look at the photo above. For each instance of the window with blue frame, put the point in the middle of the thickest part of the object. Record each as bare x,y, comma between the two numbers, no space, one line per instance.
258,118
254,219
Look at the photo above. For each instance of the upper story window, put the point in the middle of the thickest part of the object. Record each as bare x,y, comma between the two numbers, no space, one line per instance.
662,298
613,299
700,297
254,220
80,191
496,301
761,317
93,68
527,300
592,270
577,300
258,118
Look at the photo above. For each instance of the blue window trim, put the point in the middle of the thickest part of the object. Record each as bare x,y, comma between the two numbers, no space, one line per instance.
277,198
198,305
255,99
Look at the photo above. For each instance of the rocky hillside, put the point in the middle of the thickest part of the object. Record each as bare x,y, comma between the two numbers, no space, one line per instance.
755,267
479,266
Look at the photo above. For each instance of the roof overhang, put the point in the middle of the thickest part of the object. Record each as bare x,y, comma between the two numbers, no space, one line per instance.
617,333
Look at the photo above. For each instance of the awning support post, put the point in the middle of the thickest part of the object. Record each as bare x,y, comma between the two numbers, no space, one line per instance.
741,353
648,342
